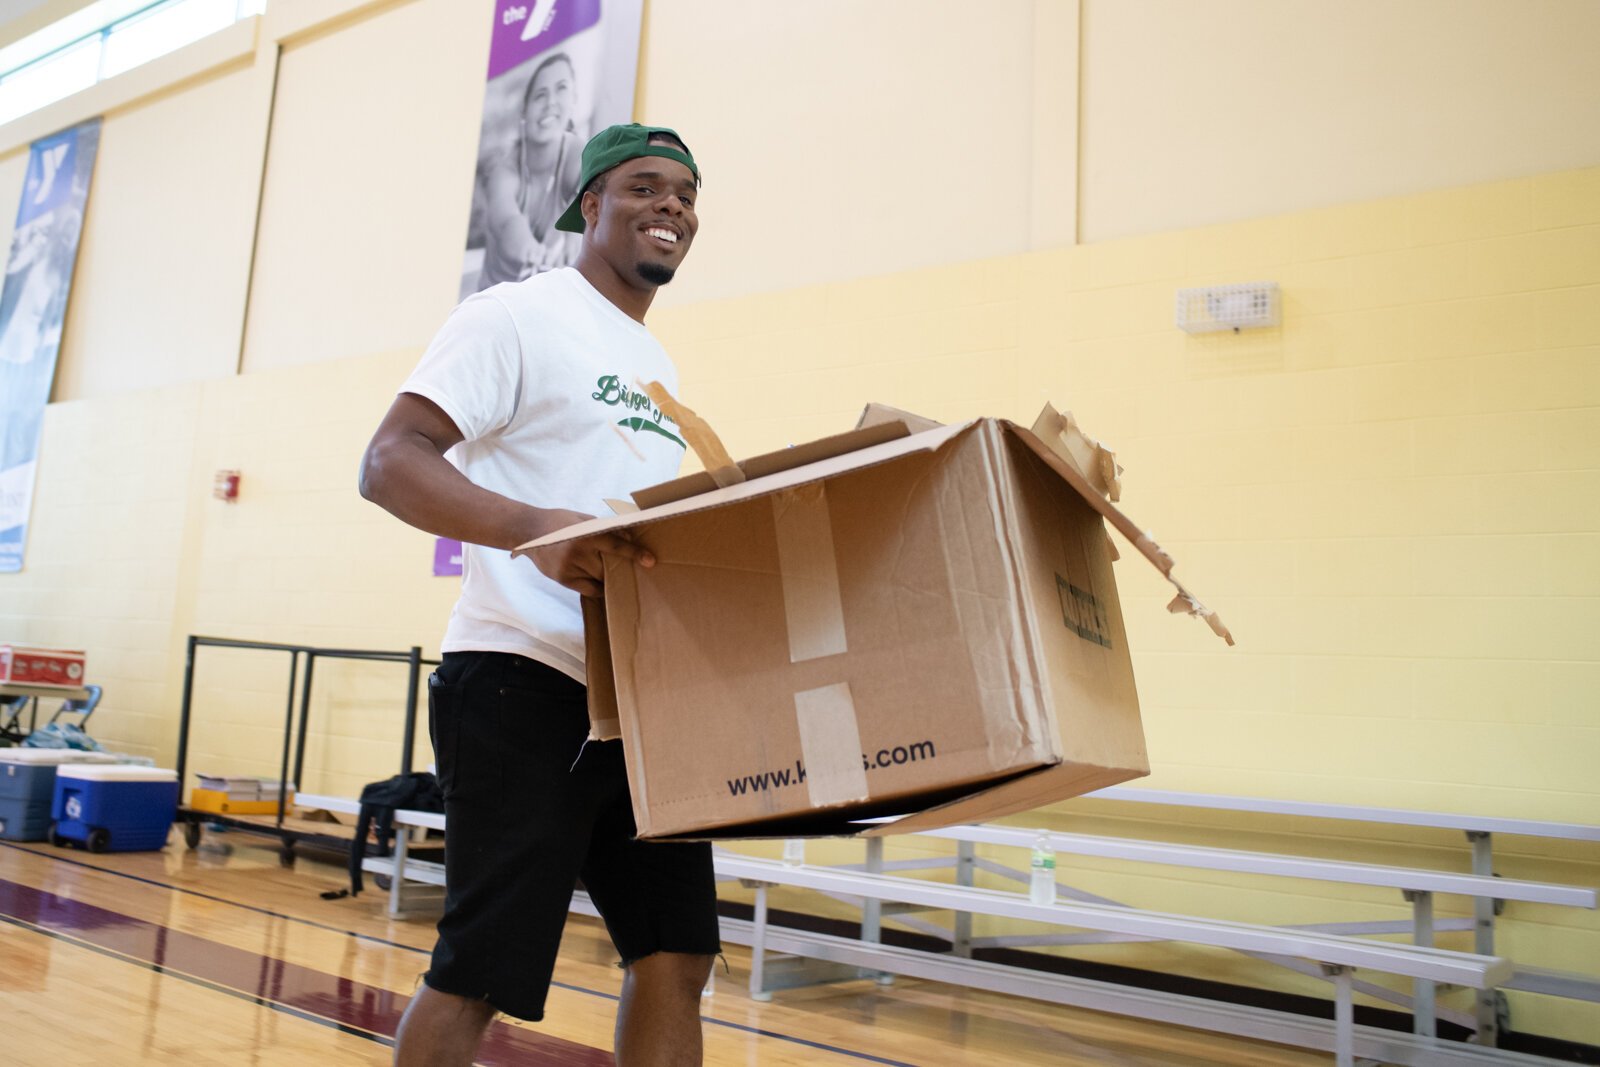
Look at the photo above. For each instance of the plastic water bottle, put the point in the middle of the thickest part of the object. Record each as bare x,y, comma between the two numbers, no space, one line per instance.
794,851
1042,886
711,981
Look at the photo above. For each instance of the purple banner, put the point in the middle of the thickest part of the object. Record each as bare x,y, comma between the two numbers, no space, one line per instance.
559,72
524,28
446,558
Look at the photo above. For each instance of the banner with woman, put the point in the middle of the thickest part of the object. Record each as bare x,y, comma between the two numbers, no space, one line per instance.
558,71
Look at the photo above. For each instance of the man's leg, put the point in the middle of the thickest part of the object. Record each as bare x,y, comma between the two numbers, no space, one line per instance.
658,1021
440,1029
505,730
659,903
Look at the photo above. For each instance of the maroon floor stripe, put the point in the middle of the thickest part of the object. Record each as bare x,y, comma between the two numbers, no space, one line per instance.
339,1000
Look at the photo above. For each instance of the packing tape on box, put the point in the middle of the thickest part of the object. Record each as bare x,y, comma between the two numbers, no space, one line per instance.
810,574
830,738
708,447
830,742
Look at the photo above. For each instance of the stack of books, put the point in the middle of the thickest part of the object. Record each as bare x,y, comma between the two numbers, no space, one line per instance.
229,795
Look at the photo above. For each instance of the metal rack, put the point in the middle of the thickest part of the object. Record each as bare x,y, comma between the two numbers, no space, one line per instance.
294,736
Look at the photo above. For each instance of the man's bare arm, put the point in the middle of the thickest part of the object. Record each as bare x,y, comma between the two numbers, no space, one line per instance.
404,472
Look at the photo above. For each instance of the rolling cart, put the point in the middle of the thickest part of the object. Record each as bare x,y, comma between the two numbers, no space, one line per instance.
291,831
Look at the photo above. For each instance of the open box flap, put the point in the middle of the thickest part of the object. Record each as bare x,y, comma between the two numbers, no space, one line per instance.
1052,439
1057,451
878,414
760,466
1090,458
927,441
1025,793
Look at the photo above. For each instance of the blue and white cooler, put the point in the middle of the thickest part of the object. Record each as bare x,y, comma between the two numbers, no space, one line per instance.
27,786
116,808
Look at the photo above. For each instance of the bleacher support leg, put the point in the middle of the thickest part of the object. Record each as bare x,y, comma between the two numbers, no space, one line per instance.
397,874
961,941
872,909
1488,1000
1344,1015
758,948
1422,990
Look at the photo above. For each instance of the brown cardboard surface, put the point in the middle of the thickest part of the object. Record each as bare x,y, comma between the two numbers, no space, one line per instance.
926,441
600,675
706,444
1030,791
773,462
878,414
1062,446
1097,463
927,626
706,633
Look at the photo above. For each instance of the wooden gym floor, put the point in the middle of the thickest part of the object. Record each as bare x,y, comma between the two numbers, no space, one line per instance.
221,956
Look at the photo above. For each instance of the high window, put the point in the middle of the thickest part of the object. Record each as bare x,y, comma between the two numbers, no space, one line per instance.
102,40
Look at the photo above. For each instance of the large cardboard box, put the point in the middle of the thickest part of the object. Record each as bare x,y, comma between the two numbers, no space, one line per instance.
921,628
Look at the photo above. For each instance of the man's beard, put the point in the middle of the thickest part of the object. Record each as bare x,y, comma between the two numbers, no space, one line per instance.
654,273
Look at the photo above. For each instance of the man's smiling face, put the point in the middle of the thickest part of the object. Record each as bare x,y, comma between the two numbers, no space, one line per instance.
643,221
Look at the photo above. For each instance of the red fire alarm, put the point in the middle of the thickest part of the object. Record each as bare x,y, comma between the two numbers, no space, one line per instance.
225,486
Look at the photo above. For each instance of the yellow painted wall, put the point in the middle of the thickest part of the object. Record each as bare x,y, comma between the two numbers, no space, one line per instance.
368,181
1232,109
160,282
827,162
1392,498
301,558
368,185
106,562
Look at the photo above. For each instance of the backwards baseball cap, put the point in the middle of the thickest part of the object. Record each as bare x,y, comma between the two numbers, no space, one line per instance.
618,144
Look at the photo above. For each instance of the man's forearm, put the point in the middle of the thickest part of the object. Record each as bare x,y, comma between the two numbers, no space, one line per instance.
412,481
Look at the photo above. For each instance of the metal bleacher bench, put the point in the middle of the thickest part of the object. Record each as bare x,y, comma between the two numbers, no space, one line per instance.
1480,832
1328,950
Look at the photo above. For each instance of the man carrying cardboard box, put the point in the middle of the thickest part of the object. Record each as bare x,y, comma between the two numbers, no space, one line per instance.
532,385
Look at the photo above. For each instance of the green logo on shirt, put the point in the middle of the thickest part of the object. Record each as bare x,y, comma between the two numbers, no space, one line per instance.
612,392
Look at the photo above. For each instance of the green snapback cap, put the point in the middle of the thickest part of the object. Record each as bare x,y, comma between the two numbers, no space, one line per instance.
614,145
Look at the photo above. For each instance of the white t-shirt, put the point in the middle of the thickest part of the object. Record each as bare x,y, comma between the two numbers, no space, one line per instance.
542,377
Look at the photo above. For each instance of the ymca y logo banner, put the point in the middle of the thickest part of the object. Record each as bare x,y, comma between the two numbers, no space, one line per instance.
33,304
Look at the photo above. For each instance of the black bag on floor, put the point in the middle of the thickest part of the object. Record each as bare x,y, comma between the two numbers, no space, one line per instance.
413,791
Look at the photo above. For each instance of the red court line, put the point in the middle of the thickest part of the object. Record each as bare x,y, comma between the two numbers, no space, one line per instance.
334,1001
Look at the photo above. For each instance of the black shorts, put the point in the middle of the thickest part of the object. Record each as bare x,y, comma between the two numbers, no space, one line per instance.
526,816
